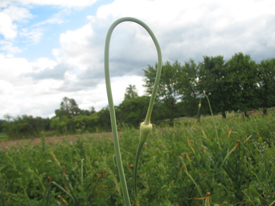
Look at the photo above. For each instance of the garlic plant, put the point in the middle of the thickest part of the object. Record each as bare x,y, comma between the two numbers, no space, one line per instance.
145,126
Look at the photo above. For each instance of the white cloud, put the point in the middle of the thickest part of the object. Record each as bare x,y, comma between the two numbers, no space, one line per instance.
20,94
78,47
50,21
97,97
67,3
12,68
8,48
64,3
5,87
185,29
33,34
17,13
7,28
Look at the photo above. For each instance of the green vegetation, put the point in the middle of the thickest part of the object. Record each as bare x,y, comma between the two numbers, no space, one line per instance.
195,162
3,137
177,166
236,85
146,126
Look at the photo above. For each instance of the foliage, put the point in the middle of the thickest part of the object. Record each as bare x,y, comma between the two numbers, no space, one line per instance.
187,85
179,165
243,82
266,84
24,126
133,110
167,93
213,82
238,84
68,108
131,92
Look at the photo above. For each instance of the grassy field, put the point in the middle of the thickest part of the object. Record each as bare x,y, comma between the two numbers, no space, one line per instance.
232,161
3,137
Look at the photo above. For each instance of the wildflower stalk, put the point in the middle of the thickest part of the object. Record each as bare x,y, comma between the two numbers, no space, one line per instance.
146,125
213,121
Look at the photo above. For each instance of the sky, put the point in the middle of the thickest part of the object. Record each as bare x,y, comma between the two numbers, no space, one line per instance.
50,49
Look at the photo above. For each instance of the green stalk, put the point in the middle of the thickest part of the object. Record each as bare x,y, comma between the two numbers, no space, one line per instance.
144,132
213,121
110,98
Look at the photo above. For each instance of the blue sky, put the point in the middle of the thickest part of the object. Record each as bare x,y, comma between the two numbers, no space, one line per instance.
50,49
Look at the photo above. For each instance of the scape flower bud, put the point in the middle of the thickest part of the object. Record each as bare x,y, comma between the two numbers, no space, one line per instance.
144,132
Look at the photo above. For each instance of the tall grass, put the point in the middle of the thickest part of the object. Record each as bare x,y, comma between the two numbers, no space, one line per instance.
180,166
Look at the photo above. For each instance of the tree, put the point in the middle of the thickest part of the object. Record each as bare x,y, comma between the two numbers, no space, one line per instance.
266,84
167,92
2,125
187,86
87,112
213,82
133,111
24,126
243,81
131,92
60,125
85,123
7,123
68,107
104,119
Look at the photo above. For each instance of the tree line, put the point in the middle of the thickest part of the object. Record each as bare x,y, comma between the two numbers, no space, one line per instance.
239,84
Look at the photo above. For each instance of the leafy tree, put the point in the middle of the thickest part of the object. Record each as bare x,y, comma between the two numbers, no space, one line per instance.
104,120
132,111
85,123
243,81
87,112
68,107
60,125
24,126
167,92
187,86
2,125
266,84
7,123
131,92
47,124
213,82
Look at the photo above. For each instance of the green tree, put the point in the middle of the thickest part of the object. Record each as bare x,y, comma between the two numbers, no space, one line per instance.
7,123
187,86
243,80
2,125
167,92
84,123
266,84
60,125
131,92
104,120
24,126
213,82
132,111
87,112
68,107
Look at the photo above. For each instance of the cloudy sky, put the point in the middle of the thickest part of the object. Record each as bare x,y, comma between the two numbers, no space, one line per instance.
50,49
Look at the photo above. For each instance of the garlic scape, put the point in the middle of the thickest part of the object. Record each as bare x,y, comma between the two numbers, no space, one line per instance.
145,126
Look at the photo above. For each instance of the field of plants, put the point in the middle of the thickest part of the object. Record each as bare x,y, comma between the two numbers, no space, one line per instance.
227,161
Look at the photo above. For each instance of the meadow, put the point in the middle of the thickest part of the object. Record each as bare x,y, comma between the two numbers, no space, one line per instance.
227,161
3,137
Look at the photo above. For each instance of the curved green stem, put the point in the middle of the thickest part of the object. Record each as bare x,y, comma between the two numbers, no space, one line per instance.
110,98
